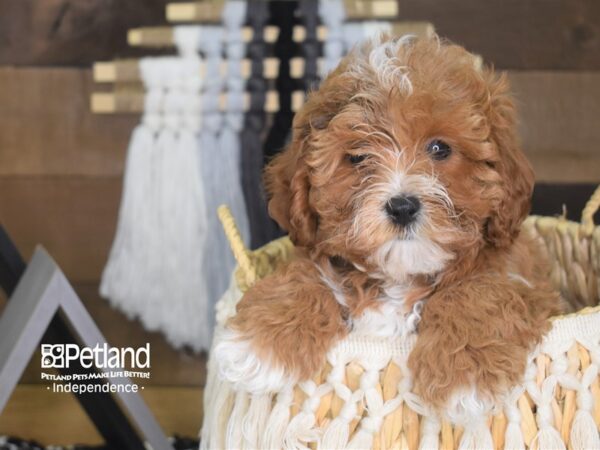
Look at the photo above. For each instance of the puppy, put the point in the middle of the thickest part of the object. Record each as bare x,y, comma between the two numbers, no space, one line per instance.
403,189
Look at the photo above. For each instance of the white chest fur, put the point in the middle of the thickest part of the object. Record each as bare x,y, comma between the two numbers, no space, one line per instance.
390,318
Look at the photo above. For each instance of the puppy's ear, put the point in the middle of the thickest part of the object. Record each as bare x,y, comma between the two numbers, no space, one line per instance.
517,176
288,185
287,177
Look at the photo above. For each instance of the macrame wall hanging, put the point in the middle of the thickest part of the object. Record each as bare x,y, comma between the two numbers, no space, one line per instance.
170,260
155,265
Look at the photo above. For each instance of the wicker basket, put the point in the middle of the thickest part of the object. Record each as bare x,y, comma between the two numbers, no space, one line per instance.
362,400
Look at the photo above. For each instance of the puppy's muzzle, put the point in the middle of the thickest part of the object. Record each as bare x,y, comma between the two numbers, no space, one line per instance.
403,210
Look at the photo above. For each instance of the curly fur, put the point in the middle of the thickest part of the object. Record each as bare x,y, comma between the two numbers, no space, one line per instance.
485,295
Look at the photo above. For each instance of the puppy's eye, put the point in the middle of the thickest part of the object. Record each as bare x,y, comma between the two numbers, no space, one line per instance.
438,150
356,159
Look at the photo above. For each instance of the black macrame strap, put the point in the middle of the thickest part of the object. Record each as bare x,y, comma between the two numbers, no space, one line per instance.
262,228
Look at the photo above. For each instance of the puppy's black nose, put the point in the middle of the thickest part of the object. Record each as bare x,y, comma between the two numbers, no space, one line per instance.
403,210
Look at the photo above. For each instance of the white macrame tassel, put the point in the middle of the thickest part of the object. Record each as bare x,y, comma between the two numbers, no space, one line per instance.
210,393
548,437
476,436
234,437
186,321
161,263
220,414
363,438
513,436
278,420
124,277
219,403
116,282
254,421
337,433
371,424
430,434
584,433
302,428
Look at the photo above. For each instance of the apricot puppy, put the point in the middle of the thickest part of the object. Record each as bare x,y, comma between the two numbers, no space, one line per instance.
404,189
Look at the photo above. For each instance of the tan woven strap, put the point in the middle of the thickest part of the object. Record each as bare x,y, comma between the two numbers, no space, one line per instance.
587,216
242,255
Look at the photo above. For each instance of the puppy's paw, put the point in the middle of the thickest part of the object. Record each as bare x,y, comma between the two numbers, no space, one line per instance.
239,364
463,387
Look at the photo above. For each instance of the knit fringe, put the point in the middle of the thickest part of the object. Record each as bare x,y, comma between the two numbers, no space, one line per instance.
301,431
210,394
584,433
430,434
254,421
476,437
361,440
234,437
278,420
336,435
220,413
548,438
513,437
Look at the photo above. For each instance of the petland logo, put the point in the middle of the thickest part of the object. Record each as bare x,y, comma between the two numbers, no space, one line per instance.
60,356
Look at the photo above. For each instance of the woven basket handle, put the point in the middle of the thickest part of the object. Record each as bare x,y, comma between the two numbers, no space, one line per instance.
587,216
242,255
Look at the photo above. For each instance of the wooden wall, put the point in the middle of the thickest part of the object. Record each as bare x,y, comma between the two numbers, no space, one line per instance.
61,166
518,34
71,32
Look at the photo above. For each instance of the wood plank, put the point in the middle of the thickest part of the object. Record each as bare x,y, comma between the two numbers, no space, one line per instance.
518,34
64,32
73,217
170,367
36,413
559,113
565,168
48,128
